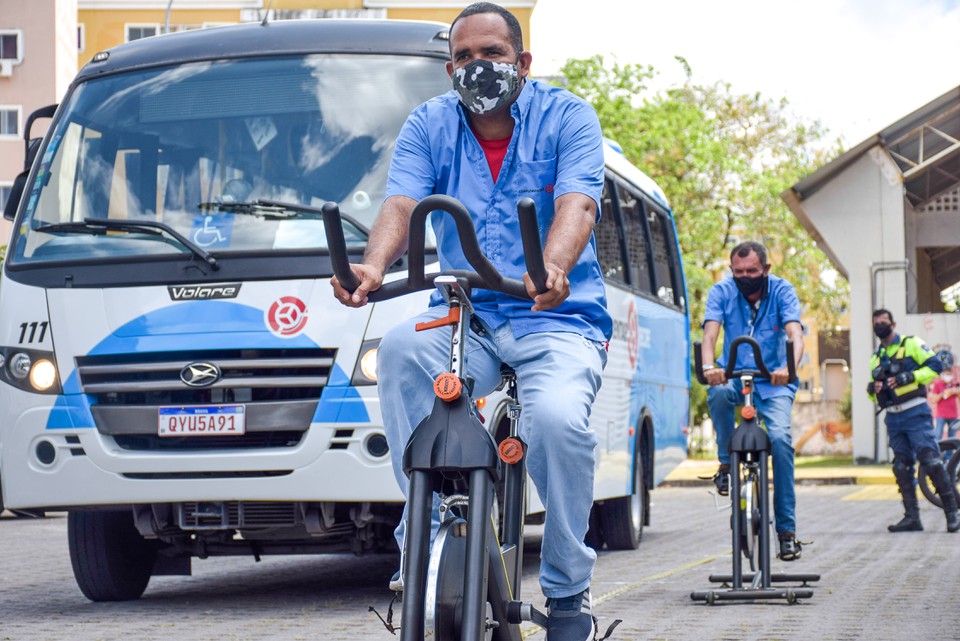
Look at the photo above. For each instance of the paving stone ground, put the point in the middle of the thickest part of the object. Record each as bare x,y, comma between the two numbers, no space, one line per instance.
875,586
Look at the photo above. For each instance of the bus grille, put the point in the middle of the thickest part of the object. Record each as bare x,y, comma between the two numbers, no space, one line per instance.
237,514
248,376
251,440
280,390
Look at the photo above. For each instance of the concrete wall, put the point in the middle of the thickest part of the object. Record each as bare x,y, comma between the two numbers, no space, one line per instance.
860,214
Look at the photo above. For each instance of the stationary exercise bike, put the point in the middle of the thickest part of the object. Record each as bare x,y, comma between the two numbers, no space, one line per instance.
465,586
750,520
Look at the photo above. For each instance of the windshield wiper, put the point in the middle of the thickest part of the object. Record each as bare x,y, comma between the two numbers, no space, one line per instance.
255,208
279,210
103,225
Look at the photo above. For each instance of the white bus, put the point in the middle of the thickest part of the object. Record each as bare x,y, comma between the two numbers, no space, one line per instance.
174,370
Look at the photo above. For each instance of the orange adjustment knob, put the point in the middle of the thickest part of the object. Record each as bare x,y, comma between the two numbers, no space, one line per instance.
447,387
749,412
511,450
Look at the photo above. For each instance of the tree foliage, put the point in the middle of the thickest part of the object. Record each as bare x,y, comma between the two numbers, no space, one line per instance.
723,159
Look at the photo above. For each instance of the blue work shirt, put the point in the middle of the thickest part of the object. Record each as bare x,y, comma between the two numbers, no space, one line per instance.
556,148
779,306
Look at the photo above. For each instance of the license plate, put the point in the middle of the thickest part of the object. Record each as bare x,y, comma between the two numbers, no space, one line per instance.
201,420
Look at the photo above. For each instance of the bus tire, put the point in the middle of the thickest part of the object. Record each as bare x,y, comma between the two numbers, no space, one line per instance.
111,560
594,537
622,519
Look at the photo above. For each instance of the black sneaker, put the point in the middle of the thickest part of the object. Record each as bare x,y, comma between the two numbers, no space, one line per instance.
722,479
570,619
790,547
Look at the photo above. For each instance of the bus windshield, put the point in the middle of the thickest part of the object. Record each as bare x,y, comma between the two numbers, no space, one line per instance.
213,150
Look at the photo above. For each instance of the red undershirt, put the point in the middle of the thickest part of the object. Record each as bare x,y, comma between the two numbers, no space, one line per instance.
495,151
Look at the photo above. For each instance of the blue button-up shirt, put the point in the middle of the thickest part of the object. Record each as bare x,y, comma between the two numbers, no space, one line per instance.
779,306
556,149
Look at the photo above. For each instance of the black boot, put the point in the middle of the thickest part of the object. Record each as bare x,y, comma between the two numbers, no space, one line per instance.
941,481
908,491
911,518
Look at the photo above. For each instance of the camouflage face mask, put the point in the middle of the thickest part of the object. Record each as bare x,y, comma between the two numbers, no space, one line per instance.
485,86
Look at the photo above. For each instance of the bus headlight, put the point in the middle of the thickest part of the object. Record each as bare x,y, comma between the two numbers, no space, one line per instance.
43,375
365,373
30,370
20,366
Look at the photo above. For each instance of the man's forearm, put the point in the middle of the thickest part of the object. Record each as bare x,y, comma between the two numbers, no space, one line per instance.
570,232
795,334
388,238
708,346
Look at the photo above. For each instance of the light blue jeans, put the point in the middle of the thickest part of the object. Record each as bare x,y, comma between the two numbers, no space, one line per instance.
723,399
952,425
558,378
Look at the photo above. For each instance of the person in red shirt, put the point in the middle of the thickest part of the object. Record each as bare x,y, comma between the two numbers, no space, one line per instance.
944,395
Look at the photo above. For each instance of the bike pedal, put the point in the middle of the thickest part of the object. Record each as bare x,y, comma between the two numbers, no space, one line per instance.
519,612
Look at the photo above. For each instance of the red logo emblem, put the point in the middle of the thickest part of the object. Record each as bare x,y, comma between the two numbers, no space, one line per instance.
633,335
548,189
287,316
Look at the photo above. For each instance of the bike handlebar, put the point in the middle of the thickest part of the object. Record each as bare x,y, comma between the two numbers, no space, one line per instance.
486,275
761,370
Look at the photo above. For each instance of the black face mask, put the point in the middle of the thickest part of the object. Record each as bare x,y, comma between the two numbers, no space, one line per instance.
749,285
882,330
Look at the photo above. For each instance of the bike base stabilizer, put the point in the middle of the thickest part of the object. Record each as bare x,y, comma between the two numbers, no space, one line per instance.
776,577
790,595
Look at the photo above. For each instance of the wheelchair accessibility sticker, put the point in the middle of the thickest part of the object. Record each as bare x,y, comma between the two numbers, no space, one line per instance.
287,316
207,233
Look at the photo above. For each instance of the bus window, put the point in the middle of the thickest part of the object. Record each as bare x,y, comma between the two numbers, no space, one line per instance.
607,232
636,236
665,259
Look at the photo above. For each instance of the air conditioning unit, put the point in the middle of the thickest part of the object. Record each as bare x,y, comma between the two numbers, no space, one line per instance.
6,68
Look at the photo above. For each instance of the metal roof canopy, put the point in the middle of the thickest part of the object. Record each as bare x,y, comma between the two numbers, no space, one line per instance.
925,145
929,156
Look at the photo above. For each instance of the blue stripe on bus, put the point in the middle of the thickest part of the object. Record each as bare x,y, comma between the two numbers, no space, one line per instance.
339,403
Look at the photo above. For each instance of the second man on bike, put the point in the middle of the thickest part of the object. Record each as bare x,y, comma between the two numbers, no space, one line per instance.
755,303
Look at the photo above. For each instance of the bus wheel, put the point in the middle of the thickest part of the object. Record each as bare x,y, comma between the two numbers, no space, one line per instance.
594,538
111,561
622,518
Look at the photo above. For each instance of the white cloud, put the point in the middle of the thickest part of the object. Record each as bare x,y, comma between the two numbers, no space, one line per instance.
856,65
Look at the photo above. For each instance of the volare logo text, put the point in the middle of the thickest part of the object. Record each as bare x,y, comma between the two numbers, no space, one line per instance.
204,292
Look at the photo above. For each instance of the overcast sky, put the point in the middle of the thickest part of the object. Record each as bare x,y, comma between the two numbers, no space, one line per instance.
856,65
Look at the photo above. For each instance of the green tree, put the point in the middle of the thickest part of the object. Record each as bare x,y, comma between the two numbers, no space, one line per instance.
722,159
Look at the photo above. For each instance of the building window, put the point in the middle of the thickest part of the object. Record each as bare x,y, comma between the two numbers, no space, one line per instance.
138,31
11,45
10,121
81,37
4,194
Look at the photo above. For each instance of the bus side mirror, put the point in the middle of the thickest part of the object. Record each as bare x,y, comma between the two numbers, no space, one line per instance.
16,193
33,146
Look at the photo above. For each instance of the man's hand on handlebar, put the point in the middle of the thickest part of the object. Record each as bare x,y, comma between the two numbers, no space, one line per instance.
715,376
780,376
370,280
558,289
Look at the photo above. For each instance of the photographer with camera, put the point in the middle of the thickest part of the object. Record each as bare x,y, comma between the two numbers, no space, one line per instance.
901,368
